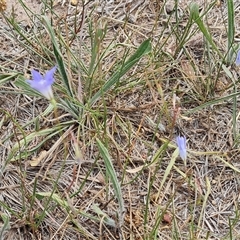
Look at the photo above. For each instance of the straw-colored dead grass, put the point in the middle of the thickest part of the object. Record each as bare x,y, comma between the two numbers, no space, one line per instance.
134,116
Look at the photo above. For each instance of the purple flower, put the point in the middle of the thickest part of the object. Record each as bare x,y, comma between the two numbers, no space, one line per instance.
238,58
181,143
43,84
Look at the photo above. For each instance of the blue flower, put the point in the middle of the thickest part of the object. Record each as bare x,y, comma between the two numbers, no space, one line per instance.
238,58
43,84
181,143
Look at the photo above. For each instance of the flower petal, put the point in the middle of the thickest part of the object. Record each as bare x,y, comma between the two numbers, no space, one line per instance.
47,92
36,75
181,143
238,58
43,84
49,75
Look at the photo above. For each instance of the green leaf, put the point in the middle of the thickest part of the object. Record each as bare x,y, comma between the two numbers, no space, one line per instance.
54,197
7,77
46,133
112,174
58,56
213,102
143,49
169,167
5,225
231,29
109,221
194,14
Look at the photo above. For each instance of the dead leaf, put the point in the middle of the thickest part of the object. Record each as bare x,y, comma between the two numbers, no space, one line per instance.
135,170
188,70
167,218
3,5
36,160
74,2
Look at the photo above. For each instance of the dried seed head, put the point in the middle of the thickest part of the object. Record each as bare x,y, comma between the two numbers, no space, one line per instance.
3,5
74,2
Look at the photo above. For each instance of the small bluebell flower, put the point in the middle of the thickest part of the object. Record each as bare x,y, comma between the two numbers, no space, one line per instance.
43,84
181,143
238,58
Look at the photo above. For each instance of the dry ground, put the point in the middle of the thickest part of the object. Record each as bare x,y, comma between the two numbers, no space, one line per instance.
208,130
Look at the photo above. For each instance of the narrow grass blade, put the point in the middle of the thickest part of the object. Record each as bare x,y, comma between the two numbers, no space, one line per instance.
46,133
58,56
99,36
234,104
213,102
113,177
143,49
208,185
231,29
5,225
58,199
7,77
169,167
109,221
194,12
55,197
228,164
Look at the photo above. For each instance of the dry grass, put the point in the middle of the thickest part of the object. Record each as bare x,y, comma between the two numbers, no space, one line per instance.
134,120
